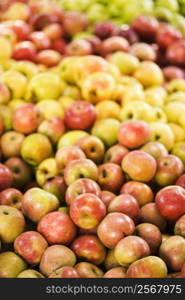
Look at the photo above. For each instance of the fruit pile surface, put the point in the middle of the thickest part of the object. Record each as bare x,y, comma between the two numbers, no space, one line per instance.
92,145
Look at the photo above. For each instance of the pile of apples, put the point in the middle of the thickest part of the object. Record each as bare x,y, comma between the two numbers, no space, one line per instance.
92,143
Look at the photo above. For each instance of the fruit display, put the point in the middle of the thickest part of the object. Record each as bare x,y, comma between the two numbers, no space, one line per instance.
92,141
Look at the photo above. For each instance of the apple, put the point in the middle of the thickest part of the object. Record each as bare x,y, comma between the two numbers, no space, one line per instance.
173,72
172,251
40,40
80,168
93,148
139,165
125,62
107,131
11,265
113,44
21,29
136,109
36,203
6,177
4,94
105,29
71,138
11,143
49,58
115,154
88,270
162,133
146,26
156,96
49,108
151,234
178,131
6,48
107,109
175,53
55,257
167,35
133,134
66,154
171,202
79,47
10,79
140,191
53,31
8,216
17,11
150,214
149,74
25,119
181,181
107,174
88,247
117,272
87,211
128,33
35,148
178,150
21,171
143,52
46,170
179,228
11,197
113,228
107,197
40,20
30,246
65,272
74,22
156,149
183,271
53,128
110,260
56,186
29,273
148,267
24,51
80,116
169,168
81,186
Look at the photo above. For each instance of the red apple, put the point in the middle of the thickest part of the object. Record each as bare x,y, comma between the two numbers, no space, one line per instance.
11,197
151,234
128,33
106,177
59,46
151,214
53,128
181,181
146,26
115,154
79,47
107,197
40,20
65,272
176,53
173,72
113,44
40,40
53,31
24,51
116,272
88,270
57,187
167,35
26,118
105,29
49,58
6,177
21,29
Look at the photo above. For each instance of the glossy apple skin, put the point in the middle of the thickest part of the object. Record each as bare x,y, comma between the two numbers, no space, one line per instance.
113,44
55,257
133,134
53,128
176,53
113,228
140,191
179,228
106,177
36,203
6,177
21,29
151,214
8,216
151,234
171,202
117,272
87,211
82,186
66,154
143,51
40,40
81,115
130,249
148,267
57,228
172,251
11,143
146,26
107,197
30,245
88,247
79,47
57,187
181,181
139,165
125,204
80,168
11,265
115,154
24,51
167,35
105,29
53,31
25,119
65,272
93,148
169,168
11,197
128,33
157,150
49,58
88,270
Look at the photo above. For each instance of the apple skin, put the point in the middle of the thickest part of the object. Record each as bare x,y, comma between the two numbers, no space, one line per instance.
115,154
36,203
125,204
11,265
178,150
29,273
8,216
65,272
129,33
107,197
88,247
66,154
169,168
57,228
55,257
107,109
78,47
57,187
4,94
113,228
113,44
70,138
157,150
53,31
87,211
93,148
105,29
183,271
25,51
143,51
130,249
167,35
11,143
11,197
151,234
150,214
49,58
146,26
47,169
88,270
133,134
149,74
22,172
175,53
80,168
171,202
173,72
139,165
81,186
106,177
179,228
74,22
21,29
117,272
6,177
172,251
148,267
40,40
162,133
30,246
110,260
53,128
181,181
25,119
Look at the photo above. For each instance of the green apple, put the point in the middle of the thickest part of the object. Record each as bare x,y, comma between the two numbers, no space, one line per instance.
179,150
15,103
35,148
65,69
126,63
178,131
163,14
156,96
162,133
107,131
174,111
50,108
27,68
11,265
172,5
6,116
47,169
11,78
30,273
71,138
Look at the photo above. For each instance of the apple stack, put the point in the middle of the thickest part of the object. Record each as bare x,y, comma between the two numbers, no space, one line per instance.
92,146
